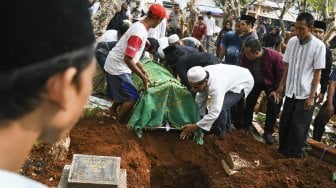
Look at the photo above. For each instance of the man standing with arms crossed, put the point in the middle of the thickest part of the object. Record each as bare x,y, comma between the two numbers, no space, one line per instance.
123,60
304,58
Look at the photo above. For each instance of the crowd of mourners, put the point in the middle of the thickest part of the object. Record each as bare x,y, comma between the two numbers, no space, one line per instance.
46,73
288,69
292,69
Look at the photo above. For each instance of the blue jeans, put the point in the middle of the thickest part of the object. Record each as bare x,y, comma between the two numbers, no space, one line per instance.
223,122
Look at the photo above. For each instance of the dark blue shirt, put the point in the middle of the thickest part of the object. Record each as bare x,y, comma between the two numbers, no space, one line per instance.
187,61
333,78
231,43
187,49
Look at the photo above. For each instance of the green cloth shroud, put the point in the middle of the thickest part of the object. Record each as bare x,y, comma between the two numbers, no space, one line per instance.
166,100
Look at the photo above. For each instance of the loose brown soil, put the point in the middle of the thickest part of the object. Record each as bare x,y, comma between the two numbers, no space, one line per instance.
161,159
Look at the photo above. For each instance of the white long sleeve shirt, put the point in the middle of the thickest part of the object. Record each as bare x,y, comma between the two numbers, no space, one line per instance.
210,23
222,78
159,31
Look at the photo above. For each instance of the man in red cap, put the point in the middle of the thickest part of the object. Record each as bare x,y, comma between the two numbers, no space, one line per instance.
123,60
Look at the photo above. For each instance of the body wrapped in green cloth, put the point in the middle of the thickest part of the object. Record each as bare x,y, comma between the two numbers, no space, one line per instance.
166,100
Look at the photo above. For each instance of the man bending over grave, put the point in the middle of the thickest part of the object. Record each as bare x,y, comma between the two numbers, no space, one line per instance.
226,85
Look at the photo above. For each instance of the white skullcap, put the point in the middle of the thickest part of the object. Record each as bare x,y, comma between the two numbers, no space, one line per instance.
161,53
196,74
173,39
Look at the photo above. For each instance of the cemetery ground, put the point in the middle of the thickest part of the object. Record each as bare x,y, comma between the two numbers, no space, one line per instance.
162,159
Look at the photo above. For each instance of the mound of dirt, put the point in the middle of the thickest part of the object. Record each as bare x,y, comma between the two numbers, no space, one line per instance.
161,159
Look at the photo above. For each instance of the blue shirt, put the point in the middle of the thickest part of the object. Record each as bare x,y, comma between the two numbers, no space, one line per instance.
232,45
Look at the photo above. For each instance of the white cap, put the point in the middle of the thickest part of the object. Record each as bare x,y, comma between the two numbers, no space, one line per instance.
173,39
161,53
196,74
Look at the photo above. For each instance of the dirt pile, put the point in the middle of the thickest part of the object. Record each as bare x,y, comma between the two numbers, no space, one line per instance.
161,159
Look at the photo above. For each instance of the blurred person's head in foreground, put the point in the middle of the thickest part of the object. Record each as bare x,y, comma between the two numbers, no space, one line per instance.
46,72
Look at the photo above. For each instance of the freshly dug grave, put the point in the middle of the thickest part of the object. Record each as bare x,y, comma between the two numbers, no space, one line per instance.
161,159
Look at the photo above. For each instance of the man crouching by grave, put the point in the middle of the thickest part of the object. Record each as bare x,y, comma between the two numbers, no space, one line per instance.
45,77
226,85
267,67
123,59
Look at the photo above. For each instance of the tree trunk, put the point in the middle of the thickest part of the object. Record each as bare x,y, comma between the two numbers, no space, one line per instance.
325,11
286,6
191,20
104,15
59,150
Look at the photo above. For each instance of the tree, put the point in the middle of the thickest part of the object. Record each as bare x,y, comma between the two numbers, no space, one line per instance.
287,5
192,18
234,7
104,15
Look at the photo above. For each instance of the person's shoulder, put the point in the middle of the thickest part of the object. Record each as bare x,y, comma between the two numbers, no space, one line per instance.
293,40
10,179
328,51
272,52
137,28
230,34
318,42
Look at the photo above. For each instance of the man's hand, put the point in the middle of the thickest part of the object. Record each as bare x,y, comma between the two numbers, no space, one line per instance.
278,93
309,103
188,130
330,110
320,97
275,96
145,73
145,81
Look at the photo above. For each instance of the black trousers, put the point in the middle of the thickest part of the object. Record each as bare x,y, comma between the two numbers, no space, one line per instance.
294,126
320,121
272,111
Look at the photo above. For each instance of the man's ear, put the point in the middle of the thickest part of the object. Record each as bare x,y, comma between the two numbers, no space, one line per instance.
59,87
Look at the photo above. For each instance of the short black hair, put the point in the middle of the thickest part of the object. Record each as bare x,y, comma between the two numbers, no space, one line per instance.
208,13
228,21
200,17
153,44
248,22
305,16
253,44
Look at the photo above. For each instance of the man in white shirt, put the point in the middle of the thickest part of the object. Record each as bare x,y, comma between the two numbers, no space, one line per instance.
123,59
304,58
210,23
46,78
226,85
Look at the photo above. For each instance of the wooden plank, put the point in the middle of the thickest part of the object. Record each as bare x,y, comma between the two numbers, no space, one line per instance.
322,152
321,146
